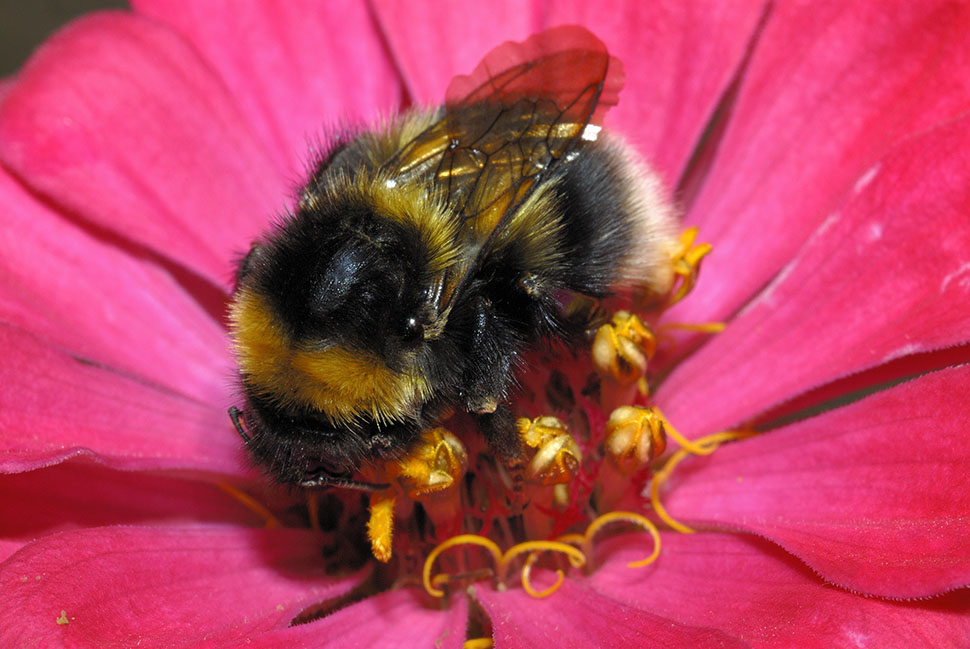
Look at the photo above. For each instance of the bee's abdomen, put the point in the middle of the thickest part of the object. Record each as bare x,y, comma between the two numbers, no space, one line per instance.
617,227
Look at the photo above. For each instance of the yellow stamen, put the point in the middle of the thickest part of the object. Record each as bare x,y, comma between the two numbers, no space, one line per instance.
380,527
691,447
479,643
576,558
626,517
686,264
527,584
461,539
577,539
252,504
313,509
708,445
703,327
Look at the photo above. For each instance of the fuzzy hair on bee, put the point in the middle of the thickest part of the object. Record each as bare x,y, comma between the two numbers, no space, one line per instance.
427,256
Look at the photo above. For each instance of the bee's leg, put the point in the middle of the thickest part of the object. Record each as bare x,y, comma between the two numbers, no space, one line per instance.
493,349
504,440
490,354
322,480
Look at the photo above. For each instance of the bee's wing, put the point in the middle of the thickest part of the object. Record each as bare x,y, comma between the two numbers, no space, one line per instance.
506,125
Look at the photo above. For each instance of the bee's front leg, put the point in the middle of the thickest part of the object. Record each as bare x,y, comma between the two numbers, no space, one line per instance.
489,359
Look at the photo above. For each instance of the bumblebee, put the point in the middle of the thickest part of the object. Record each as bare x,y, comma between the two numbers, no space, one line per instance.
427,257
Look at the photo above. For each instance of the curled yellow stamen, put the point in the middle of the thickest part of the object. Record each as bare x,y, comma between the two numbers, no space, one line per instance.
695,447
252,504
461,539
576,539
576,558
527,584
709,444
625,517
479,643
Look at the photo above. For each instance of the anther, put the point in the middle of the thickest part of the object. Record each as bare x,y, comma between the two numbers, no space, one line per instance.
557,457
634,436
436,463
623,348
687,264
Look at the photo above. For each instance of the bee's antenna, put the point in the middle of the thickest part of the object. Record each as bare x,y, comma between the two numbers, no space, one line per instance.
234,413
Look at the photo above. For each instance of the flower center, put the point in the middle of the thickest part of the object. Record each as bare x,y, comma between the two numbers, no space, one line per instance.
454,514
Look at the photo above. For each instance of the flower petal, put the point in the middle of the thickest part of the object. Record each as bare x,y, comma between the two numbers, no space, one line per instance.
874,496
67,286
887,275
396,619
829,89
160,587
294,67
419,33
578,617
79,494
118,121
750,588
55,405
678,57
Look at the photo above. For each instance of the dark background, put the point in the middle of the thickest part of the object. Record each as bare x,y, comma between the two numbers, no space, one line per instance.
24,24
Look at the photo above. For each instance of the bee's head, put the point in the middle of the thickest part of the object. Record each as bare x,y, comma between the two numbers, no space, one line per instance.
332,310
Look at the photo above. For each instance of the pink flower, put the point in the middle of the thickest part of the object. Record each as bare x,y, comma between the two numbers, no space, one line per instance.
141,151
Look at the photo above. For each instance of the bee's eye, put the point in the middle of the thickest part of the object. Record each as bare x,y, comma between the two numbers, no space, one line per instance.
413,331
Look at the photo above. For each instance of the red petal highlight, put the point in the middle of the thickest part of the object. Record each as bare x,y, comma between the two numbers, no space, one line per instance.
64,285
118,120
678,57
873,496
577,617
396,619
55,405
887,275
748,587
78,494
158,587
830,88
294,67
